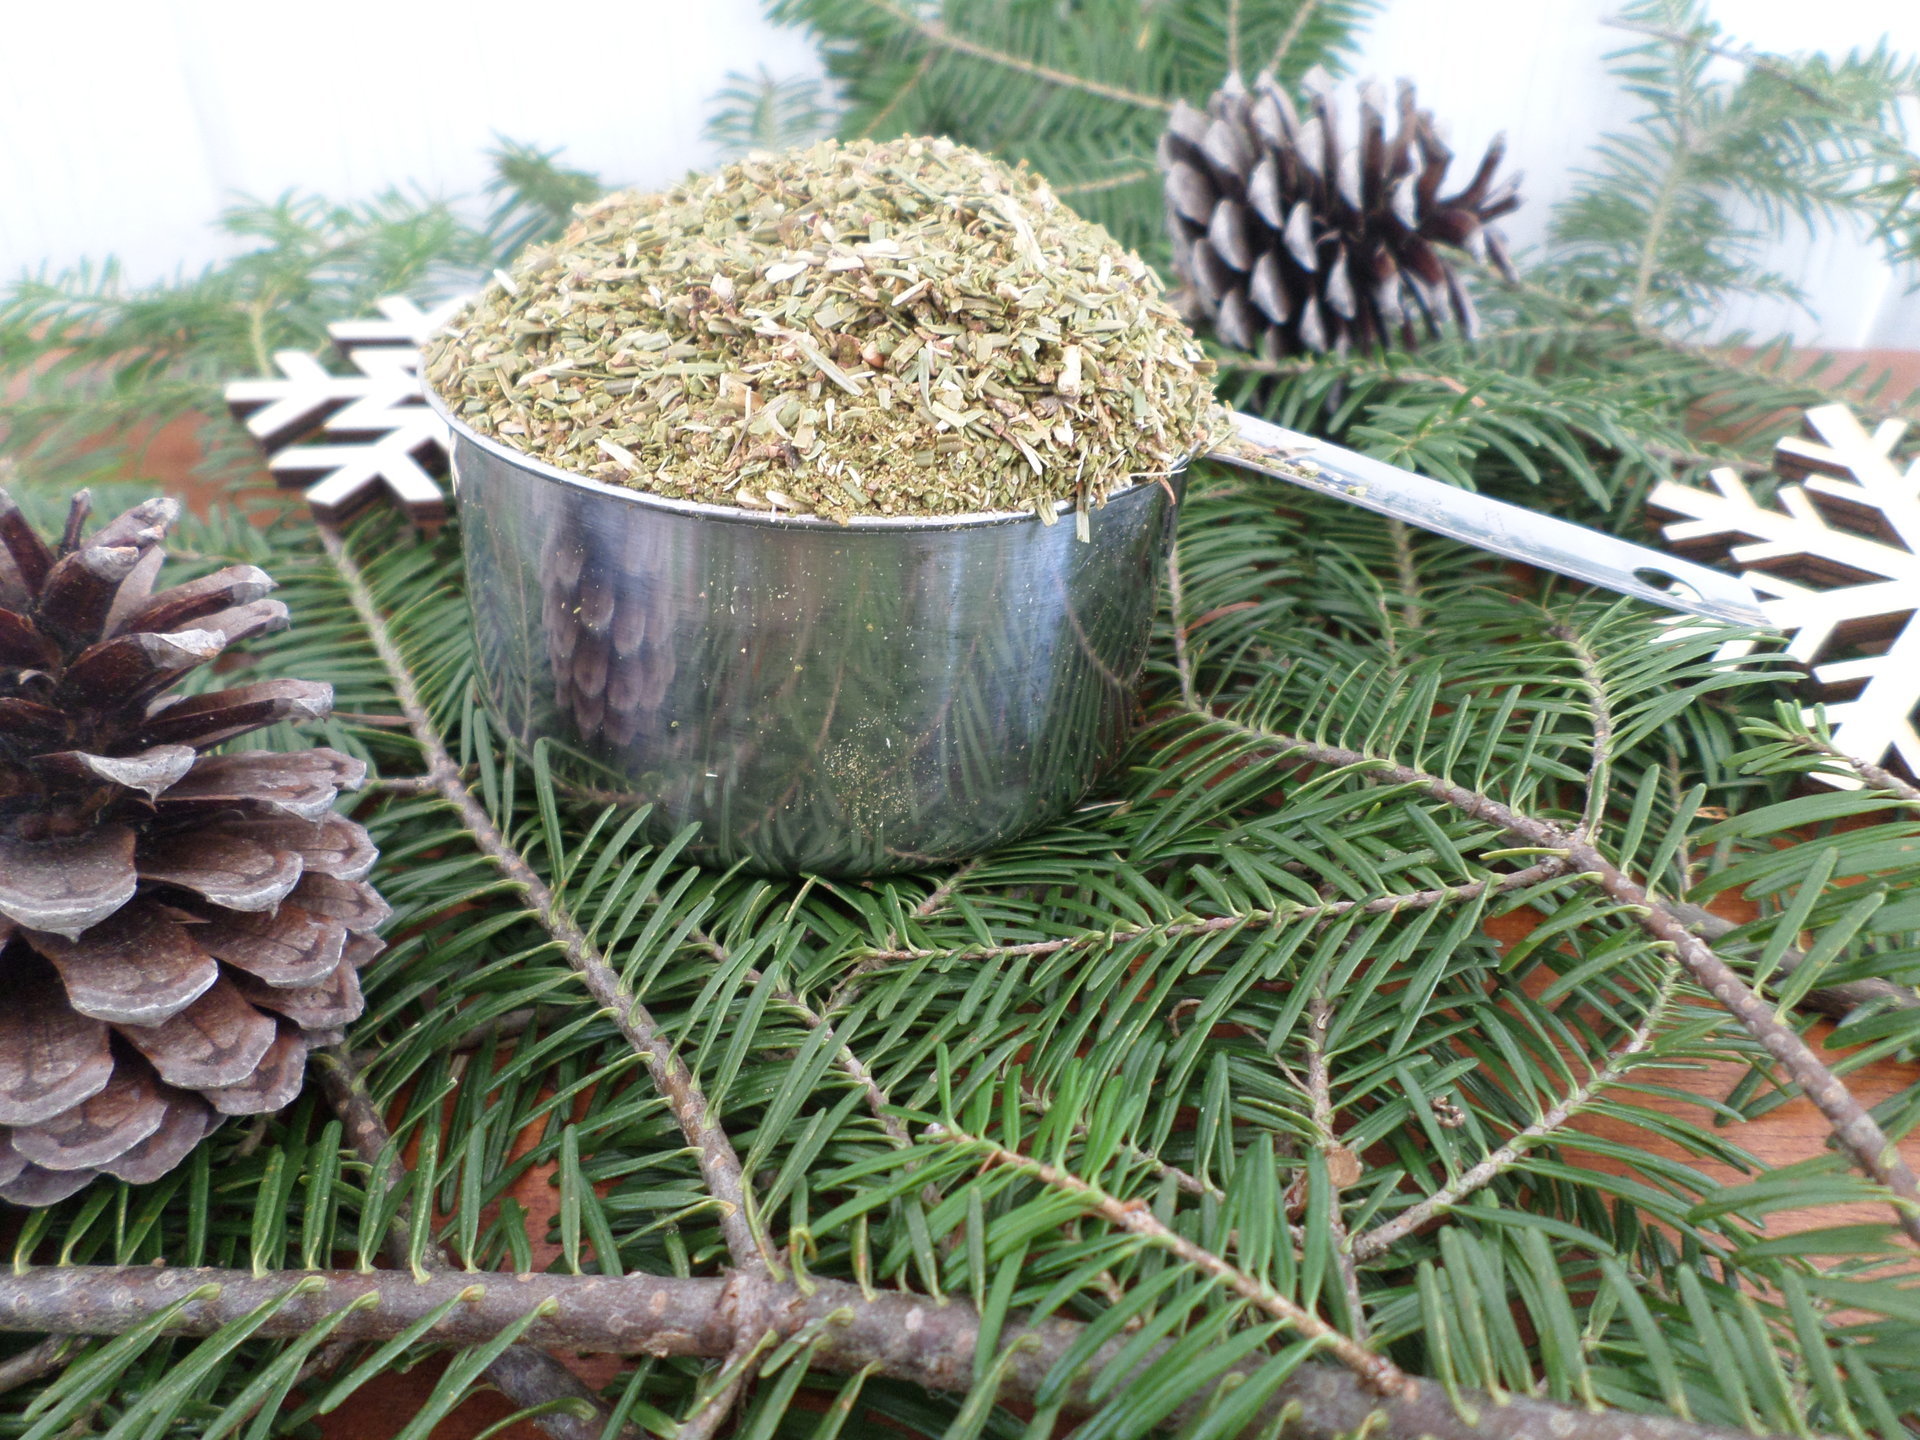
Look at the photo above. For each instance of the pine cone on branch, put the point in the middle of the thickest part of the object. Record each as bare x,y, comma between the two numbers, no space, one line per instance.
175,927
1295,236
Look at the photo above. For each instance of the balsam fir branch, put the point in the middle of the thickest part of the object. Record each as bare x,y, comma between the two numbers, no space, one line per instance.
97,364
1804,139
1855,1129
761,112
804,945
1084,101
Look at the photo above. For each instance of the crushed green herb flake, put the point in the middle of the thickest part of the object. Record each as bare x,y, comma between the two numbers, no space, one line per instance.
914,314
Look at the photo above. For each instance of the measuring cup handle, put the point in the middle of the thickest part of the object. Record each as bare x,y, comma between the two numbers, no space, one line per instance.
1493,525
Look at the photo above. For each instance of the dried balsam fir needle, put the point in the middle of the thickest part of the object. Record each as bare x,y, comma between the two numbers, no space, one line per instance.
908,328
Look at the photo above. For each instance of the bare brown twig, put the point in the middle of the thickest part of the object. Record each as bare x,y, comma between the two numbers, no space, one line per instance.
35,1362
905,1337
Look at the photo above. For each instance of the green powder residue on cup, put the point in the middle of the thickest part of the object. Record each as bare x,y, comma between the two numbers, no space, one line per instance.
860,329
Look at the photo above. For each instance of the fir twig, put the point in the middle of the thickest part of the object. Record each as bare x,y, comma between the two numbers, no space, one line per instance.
1177,610
1620,1061
903,1336
1875,777
1859,1135
1321,1112
1136,1218
1836,998
36,1362
1600,714
719,1164
849,1063
1301,16
1155,1165
938,34
1745,55
1187,928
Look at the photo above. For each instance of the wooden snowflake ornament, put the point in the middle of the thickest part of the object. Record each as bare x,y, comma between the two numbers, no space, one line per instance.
1836,564
348,437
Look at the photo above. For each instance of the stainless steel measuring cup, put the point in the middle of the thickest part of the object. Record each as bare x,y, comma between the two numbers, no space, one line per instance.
888,695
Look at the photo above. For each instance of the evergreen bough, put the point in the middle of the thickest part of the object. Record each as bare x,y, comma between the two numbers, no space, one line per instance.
1212,1107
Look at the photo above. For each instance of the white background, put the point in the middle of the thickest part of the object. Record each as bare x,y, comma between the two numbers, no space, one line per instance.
125,125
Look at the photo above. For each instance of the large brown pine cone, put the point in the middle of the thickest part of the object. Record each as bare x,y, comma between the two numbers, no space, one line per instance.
1296,235
175,927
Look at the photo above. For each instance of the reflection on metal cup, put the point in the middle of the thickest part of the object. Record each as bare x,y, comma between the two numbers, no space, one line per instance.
894,694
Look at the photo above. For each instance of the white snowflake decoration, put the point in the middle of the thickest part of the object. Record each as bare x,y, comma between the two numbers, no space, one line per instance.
1836,564
372,427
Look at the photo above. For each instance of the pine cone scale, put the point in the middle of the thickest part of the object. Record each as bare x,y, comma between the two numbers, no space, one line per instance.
273,1083
24,646
358,907
27,726
64,886
183,604
331,845
289,948
133,667
80,590
51,1057
135,968
217,1041
126,1111
150,771
232,871
332,1003
201,720
30,556
186,1125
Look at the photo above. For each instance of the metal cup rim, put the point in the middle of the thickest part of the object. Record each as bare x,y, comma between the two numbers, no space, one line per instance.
736,514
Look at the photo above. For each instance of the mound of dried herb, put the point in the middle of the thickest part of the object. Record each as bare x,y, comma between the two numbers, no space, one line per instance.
908,328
